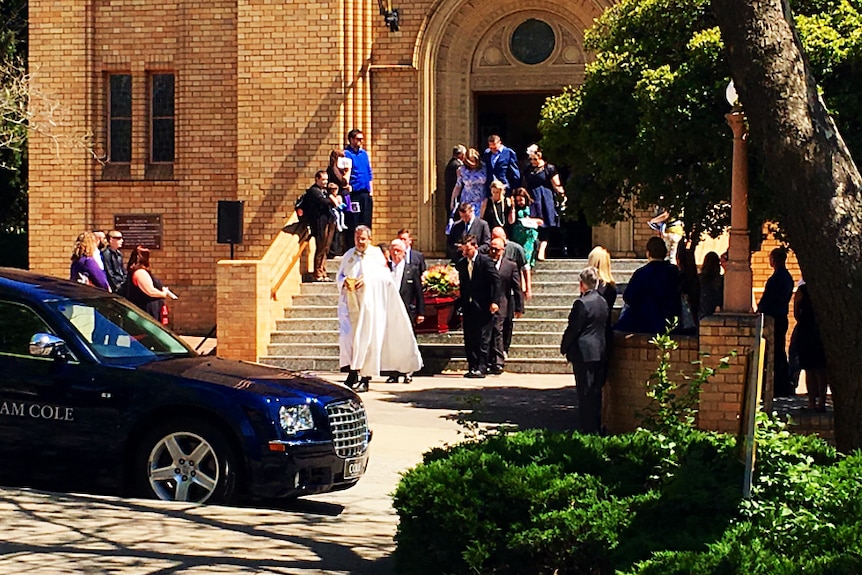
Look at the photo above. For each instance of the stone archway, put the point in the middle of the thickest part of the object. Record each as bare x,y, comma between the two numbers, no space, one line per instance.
466,48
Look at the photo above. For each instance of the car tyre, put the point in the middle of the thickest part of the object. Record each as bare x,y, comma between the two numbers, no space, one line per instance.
190,461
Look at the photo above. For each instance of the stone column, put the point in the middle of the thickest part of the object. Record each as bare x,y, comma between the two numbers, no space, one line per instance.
737,279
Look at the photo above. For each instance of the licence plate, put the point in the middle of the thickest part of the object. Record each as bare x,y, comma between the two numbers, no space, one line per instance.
355,466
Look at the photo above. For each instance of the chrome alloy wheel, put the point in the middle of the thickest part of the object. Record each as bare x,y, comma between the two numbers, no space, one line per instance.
183,466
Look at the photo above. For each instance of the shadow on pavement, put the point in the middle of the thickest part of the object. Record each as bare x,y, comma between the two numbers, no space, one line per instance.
184,537
554,409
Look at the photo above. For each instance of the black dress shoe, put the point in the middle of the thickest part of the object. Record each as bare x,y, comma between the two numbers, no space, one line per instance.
496,370
408,379
362,386
474,374
352,378
392,379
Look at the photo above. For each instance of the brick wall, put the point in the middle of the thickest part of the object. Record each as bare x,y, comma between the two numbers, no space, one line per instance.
634,360
722,396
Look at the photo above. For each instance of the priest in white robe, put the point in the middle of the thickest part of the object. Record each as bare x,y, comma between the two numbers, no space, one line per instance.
375,333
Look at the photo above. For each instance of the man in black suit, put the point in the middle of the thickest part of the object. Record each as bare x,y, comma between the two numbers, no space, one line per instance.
584,345
479,301
469,224
511,303
408,279
412,257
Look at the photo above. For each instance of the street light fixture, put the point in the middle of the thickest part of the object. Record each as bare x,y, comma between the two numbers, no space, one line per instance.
737,280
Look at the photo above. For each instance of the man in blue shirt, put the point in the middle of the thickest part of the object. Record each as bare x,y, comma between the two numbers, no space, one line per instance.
501,163
360,185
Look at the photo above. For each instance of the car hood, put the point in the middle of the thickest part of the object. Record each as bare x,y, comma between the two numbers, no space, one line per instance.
252,377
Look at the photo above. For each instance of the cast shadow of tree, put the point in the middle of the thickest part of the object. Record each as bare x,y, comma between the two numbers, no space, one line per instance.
554,409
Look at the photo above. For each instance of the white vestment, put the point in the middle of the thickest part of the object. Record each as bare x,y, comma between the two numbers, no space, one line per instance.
375,333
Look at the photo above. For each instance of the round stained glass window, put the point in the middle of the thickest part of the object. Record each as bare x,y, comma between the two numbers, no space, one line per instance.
532,41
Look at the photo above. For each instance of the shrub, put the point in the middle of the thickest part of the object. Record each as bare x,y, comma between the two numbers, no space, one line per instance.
665,501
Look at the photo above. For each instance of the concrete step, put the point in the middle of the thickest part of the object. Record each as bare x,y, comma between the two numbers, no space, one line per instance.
307,324
303,363
307,337
323,349
311,312
316,300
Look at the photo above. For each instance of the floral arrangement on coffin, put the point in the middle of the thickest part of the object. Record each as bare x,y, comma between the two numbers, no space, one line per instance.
441,281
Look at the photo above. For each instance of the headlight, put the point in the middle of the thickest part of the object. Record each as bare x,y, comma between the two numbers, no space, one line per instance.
295,418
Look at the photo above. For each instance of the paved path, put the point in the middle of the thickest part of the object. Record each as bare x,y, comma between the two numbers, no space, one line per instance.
340,533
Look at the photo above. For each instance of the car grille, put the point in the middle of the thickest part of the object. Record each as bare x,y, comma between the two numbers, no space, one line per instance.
349,428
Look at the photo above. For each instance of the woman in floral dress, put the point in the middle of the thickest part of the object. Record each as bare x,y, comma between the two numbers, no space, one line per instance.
525,224
470,186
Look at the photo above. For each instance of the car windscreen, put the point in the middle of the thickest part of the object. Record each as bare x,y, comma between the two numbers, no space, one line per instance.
119,333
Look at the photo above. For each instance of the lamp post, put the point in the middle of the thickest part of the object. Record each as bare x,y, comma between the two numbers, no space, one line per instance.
737,278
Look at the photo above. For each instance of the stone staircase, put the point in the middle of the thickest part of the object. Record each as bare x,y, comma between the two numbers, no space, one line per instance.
307,337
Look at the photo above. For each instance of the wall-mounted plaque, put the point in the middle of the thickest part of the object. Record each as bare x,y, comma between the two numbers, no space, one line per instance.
140,230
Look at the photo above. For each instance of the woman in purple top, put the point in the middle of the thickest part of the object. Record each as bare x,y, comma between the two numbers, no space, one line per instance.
84,268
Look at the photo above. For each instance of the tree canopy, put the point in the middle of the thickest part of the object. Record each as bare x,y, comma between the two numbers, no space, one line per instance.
648,121
13,127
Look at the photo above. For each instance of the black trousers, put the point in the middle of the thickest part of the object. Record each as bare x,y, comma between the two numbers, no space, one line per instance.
588,383
365,203
501,337
781,369
477,338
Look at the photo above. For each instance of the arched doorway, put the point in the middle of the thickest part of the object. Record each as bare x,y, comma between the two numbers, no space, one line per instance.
493,57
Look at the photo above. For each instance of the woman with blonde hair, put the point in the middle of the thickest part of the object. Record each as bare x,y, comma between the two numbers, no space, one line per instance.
85,269
600,258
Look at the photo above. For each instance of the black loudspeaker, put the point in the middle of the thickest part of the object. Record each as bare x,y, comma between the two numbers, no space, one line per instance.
229,222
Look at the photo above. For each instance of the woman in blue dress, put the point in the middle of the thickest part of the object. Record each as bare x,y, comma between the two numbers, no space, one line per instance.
470,186
544,184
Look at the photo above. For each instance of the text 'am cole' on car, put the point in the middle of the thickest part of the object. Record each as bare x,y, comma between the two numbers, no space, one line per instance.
97,396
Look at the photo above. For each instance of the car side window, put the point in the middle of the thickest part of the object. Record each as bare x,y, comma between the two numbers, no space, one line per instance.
18,323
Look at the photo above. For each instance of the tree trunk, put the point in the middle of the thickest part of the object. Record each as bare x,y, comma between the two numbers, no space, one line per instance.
814,182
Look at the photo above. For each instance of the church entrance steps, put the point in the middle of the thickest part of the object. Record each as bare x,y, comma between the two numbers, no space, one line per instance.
307,337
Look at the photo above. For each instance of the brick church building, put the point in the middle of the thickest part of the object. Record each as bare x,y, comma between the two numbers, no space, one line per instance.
190,102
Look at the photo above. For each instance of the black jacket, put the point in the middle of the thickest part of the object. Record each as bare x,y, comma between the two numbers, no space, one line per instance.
512,298
585,337
478,228
411,291
478,292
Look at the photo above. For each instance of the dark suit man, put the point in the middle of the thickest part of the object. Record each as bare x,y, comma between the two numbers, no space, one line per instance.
584,345
469,224
775,302
413,256
501,163
511,304
115,267
408,278
479,301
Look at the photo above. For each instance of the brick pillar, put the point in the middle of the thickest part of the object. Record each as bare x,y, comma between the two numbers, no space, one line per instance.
723,395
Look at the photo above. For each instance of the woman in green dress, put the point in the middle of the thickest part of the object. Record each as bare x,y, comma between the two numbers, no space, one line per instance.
525,224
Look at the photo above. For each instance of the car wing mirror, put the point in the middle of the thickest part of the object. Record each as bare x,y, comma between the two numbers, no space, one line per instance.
47,345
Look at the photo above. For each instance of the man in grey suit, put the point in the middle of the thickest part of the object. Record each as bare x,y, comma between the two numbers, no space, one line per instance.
470,224
584,345
511,304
